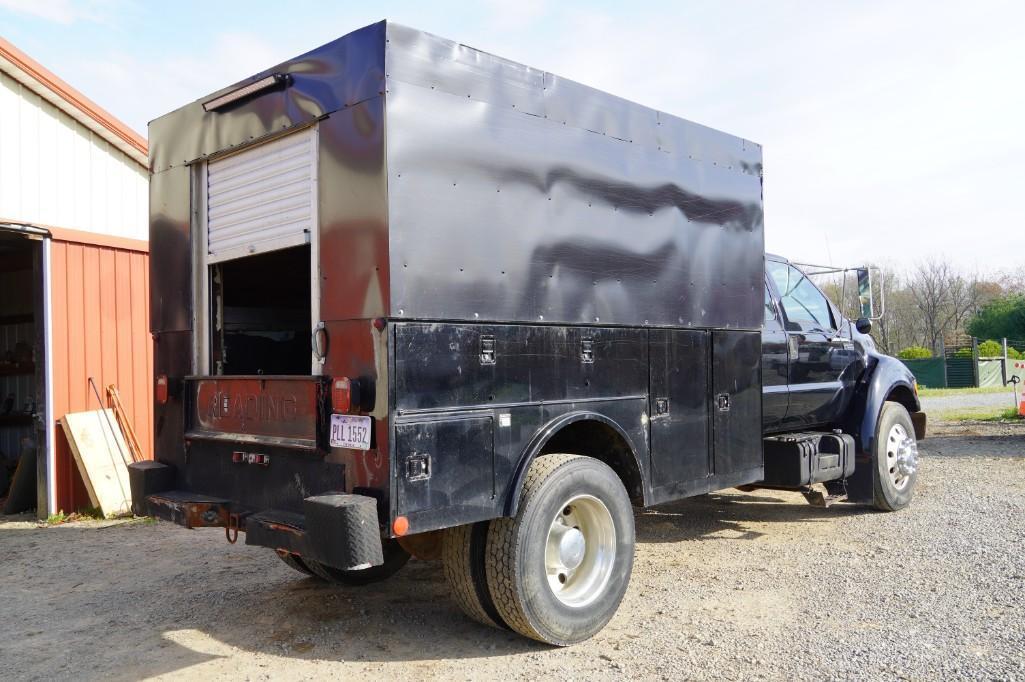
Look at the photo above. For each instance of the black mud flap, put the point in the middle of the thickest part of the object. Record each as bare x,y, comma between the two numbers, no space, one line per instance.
338,530
919,420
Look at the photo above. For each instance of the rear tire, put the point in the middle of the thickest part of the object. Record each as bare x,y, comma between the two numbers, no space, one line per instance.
394,559
895,459
463,550
558,570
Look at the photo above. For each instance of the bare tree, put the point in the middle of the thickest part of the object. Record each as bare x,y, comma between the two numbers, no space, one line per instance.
930,288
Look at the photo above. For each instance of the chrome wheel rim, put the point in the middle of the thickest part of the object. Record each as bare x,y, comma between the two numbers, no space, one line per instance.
580,550
901,456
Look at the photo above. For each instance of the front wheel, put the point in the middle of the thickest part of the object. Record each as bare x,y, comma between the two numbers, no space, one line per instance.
896,459
558,570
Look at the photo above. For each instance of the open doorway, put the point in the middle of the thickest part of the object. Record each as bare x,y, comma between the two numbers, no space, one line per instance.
22,379
261,314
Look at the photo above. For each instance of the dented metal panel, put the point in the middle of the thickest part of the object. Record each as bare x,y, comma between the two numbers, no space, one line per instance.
576,215
414,57
339,74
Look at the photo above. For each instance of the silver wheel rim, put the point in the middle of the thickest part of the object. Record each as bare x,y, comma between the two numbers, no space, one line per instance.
580,550
901,456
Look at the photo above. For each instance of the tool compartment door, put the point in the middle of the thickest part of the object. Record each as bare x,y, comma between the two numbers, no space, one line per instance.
736,401
678,405
445,469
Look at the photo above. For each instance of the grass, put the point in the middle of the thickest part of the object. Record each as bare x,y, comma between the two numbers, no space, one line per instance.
924,392
981,414
83,514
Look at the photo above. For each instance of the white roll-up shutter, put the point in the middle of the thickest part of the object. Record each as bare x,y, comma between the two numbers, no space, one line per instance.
262,199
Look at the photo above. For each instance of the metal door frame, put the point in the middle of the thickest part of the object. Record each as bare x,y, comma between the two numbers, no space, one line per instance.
201,328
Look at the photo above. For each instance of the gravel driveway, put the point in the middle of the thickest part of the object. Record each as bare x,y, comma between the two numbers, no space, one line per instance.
725,586
968,401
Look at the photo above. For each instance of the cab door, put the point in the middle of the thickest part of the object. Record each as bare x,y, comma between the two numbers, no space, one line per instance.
817,353
775,367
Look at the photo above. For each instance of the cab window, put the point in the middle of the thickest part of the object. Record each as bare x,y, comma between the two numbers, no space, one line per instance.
802,301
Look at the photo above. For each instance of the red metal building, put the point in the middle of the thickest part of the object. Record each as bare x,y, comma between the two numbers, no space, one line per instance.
73,271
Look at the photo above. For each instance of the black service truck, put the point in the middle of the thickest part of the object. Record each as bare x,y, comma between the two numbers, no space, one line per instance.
410,298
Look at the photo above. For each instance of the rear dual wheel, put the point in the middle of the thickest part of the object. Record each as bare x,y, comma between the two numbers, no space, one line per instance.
557,571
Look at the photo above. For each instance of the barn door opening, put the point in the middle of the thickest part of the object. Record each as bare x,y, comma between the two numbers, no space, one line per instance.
260,255
24,426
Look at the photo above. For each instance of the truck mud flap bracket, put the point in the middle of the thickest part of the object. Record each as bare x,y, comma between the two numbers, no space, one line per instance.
191,510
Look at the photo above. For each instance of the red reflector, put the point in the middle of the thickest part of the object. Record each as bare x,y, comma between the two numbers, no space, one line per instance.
160,393
237,457
342,394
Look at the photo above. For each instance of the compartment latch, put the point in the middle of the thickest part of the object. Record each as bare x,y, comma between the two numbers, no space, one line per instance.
487,350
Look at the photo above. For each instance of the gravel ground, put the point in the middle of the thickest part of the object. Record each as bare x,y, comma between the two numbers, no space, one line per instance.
725,586
968,401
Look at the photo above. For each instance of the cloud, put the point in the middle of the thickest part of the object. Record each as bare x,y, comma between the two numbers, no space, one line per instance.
518,14
141,89
64,12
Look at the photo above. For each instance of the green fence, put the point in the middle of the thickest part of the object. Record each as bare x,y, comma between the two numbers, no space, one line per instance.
929,372
960,372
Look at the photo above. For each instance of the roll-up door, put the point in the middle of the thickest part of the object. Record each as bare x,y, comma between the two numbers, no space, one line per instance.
262,199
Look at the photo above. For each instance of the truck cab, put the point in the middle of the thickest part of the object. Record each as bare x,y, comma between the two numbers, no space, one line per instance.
812,357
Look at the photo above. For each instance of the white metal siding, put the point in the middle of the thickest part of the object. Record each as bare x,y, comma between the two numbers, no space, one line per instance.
263,198
55,171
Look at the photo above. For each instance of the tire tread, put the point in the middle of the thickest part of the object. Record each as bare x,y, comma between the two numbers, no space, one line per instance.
457,558
502,548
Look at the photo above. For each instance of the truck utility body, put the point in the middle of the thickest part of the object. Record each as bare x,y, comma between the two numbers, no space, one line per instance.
404,290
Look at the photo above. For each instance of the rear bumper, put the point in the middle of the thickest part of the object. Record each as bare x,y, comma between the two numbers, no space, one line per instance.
337,529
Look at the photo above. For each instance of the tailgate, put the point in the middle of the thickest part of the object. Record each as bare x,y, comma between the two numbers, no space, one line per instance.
290,411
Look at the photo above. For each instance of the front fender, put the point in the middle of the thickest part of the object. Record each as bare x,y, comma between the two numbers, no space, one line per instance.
885,378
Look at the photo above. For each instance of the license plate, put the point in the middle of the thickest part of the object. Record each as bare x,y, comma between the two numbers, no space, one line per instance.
350,431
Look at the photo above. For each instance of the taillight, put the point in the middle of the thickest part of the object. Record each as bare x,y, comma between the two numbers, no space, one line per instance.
344,394
160,393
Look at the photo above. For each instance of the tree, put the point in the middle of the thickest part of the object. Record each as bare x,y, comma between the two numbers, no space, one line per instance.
914,353
1002,318
944,297
991,349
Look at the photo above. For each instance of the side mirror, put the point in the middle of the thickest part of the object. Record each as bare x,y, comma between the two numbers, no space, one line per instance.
865,302
863,325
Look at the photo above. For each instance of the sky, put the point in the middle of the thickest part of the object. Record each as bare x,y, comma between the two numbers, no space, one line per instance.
892,132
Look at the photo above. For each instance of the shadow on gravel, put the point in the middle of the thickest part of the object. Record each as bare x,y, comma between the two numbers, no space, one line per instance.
182,600
161,599
708,516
